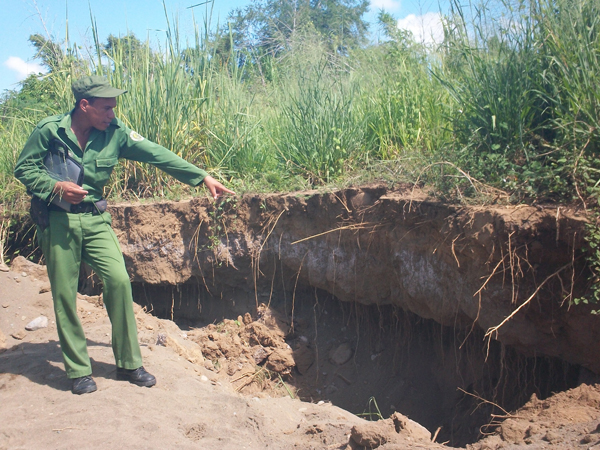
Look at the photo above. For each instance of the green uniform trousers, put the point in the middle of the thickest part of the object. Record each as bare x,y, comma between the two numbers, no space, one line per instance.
70,239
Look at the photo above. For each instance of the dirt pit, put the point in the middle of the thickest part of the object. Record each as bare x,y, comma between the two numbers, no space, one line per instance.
372,361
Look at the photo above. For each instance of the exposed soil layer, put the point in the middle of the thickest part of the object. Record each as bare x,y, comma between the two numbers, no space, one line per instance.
380,302
463,267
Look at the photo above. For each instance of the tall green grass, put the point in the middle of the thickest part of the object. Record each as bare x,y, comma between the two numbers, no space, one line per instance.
320,132
509,98
571,36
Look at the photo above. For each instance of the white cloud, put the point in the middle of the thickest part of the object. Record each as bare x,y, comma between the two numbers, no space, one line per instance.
426,28
388,5
22,68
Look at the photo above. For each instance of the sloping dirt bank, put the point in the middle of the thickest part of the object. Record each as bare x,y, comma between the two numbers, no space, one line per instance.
191,407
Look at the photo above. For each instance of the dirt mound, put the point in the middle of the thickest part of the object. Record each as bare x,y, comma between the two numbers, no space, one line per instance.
254,353
388,431
566,420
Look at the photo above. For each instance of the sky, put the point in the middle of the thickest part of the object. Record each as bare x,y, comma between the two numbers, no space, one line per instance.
146,19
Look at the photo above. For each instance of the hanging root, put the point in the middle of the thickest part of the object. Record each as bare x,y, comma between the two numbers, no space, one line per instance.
358,226
497,419
256,257
495,329
479,304
484,401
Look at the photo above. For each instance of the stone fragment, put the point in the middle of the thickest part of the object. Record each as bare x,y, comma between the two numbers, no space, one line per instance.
187,350
259,355
259,333
211,350
45,288
3,267
247,319
5,305
316,428
513,431
396,429
372,434
341,355
26,267
553,437
233,367
37,323
403,425
493,442
304,357
19,335
161,339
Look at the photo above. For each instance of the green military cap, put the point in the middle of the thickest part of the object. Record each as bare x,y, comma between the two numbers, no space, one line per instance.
94,86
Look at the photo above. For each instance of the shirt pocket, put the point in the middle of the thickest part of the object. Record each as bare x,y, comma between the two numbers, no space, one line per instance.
104,168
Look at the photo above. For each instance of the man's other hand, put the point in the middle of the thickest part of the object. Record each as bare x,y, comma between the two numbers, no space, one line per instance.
70,192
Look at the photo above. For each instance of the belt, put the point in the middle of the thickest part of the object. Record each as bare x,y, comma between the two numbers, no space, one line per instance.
96,208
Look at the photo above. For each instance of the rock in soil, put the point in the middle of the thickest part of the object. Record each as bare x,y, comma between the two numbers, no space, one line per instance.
342,354
396,429
19,335
37,323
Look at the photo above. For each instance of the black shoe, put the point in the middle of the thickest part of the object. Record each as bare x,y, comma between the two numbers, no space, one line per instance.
137,376
83,385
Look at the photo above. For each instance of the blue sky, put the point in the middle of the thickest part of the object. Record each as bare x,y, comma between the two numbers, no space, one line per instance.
146,18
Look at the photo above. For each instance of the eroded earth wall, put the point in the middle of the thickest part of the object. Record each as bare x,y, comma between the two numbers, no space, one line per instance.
458,265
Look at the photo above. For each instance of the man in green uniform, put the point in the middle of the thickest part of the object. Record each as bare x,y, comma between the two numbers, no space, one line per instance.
91,140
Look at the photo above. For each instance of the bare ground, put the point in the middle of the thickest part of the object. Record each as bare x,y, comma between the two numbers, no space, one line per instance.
190,407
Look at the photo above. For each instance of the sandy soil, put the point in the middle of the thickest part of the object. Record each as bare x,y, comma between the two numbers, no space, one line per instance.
190,407
217,402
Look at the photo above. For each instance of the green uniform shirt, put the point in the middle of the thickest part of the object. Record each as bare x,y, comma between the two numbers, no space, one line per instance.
102,153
